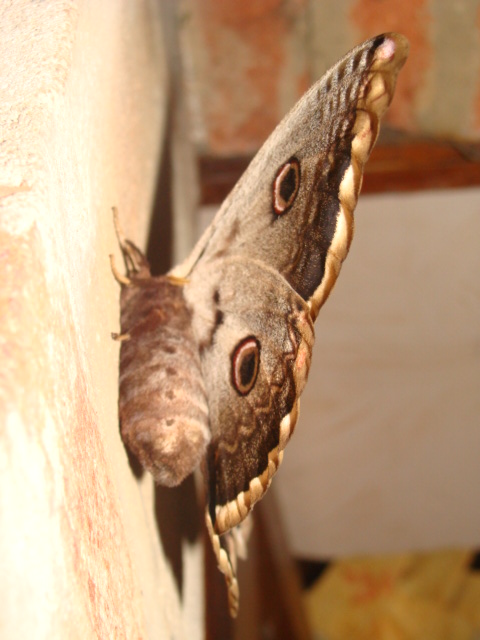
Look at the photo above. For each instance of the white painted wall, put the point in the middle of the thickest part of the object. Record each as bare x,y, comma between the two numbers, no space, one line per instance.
385,456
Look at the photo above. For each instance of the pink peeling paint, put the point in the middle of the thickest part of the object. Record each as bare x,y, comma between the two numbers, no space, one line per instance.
247,49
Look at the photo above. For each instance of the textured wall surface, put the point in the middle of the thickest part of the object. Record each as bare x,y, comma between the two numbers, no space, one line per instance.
82,109
250,61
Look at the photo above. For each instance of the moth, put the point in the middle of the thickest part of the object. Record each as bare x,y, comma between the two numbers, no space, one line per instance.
215,354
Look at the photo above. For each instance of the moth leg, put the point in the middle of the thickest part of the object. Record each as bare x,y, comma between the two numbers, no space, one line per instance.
178,282
121,337
116,273
135,261
118,227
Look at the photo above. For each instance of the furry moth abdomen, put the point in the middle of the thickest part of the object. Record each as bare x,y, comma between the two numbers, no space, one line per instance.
162,404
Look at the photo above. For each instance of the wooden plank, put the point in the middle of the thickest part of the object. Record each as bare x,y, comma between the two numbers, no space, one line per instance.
397,163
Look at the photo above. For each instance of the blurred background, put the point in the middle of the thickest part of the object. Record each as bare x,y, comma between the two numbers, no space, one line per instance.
247,63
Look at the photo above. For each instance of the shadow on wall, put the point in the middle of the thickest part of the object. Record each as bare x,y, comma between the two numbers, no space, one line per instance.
160,240
178,517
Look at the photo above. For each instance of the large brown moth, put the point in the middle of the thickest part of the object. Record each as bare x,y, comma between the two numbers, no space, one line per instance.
216,353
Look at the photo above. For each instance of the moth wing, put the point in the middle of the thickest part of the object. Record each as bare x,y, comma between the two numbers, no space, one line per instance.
260,273
227,548
255,353
255,357
293,207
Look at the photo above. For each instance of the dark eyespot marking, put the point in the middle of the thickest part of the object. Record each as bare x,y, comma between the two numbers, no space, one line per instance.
285,186
245,365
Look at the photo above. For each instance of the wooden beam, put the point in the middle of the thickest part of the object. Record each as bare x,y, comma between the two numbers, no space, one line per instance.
397,163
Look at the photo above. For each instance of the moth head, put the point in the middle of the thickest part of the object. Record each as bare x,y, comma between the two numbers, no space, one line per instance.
245,361
286,186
